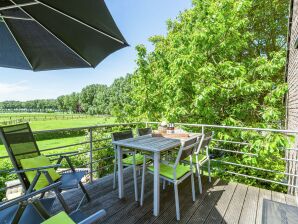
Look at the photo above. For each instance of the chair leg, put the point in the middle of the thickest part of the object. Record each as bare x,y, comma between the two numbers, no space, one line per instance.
41,210
18,214
115,172
143,182
135,178
62,201
177,202
209,171
193,187
199,178
84,191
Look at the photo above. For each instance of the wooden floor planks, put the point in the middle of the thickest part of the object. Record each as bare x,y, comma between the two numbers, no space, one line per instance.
220,208
220,202
233,212
249,209
213,195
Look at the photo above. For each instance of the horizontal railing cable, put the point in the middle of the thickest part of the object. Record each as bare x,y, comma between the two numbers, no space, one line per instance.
253,167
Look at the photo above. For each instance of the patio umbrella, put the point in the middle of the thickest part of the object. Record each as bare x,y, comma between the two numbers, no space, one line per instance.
56,34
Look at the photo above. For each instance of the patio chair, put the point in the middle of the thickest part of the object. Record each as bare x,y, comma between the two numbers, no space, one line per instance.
144,131
201,156
31,209
175,172
133,159
19,211
21,145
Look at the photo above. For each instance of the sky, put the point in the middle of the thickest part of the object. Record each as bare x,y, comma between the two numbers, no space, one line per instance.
137,20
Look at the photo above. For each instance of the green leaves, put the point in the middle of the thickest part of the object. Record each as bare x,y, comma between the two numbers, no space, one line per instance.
213,65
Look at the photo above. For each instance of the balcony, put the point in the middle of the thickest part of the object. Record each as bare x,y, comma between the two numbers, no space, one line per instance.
222,201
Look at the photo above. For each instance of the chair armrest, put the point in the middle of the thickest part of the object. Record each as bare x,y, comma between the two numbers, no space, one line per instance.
28,196
93,218
35,169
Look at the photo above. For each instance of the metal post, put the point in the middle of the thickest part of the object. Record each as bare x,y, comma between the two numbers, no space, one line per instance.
91,154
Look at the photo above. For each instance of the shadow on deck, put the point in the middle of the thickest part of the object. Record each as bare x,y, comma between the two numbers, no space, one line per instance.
220,202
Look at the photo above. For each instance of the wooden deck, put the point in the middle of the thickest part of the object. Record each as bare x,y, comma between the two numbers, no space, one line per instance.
220,203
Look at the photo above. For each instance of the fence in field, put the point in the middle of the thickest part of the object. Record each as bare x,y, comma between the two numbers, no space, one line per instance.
10,119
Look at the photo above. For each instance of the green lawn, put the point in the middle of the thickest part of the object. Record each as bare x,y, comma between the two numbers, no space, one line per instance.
57,124
57,120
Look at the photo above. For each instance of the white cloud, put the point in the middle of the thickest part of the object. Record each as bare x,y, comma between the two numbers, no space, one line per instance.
9,89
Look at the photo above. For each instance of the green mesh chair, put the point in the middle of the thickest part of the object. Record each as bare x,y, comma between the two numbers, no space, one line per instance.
132,158
32,209
175,172
201,156
144,131
21,145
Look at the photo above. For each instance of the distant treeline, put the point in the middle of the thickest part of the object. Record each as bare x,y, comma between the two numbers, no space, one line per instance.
93,99
45,105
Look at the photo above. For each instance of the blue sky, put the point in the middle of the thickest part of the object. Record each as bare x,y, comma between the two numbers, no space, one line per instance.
137,20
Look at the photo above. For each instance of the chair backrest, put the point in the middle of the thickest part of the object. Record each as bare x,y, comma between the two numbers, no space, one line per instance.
116,136
207,138
188,148
144,131
20,143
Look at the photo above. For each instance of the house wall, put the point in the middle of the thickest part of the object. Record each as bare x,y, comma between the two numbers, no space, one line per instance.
292,97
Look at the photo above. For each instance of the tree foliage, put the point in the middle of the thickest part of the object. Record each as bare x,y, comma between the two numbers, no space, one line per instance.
216,65
93,99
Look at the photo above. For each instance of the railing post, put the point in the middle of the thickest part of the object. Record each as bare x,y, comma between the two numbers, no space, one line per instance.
91,154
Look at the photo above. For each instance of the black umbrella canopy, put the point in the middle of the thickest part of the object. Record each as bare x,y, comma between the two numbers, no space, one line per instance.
56,34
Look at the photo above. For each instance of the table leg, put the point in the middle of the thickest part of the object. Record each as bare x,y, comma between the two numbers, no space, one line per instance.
120,172
156,184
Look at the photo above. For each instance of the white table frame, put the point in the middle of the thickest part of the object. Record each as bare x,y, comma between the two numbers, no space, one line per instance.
156,145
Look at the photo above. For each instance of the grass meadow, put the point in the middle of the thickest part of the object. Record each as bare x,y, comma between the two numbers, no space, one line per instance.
39,121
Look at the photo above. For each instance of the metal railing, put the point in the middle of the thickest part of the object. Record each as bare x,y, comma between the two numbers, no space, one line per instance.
290,181
89,147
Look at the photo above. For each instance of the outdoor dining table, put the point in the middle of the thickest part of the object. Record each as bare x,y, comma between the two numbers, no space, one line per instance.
156,144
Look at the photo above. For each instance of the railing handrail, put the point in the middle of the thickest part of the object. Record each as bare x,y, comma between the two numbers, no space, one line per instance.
234,127
85,127
186,124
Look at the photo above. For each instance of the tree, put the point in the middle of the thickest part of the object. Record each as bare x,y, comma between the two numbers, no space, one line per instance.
87,97
120,103
101,100
215,67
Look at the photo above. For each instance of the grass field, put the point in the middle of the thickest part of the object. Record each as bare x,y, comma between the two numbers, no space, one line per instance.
44,121
70,123
61,121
